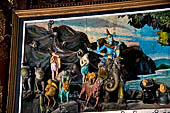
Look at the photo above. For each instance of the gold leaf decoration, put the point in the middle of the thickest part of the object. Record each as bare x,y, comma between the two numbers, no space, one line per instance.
11,2
3,43
2,26
3,51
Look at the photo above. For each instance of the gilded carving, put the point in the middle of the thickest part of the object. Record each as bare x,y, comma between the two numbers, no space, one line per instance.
3,45
3,51
2,26
11,2
1,87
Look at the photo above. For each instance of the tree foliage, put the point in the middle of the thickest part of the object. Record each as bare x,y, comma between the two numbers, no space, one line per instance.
158,20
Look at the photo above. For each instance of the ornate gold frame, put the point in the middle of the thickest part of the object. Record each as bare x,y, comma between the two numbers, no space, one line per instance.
20,15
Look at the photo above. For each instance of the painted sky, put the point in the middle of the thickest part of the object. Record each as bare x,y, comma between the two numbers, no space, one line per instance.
95,28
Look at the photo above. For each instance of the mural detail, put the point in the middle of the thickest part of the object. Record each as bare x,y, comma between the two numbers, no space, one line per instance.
99,63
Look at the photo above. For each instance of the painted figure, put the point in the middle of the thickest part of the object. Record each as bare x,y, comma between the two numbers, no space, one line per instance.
50,24
50,89
90,77
26,78
149,91
92,90
39,76
55,65
64,91
84,63
64,76
112,51
112,48
163,93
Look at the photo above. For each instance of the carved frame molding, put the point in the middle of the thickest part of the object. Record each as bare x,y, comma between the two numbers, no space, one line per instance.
1,95
3,35
20,15
2,26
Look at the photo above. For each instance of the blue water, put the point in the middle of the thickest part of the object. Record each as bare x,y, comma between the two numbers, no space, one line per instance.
160,76
158,62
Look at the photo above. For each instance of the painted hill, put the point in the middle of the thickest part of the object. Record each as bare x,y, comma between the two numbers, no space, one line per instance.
162,63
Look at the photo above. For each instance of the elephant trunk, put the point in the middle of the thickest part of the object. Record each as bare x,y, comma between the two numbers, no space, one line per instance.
113,84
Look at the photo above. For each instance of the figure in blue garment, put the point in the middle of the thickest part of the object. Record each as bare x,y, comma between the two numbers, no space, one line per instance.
112,48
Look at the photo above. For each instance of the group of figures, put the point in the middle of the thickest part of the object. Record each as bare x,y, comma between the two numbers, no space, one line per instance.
92,82
56,86
154,92
98,79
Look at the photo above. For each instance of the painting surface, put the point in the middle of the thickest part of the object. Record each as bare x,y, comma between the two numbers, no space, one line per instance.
97,63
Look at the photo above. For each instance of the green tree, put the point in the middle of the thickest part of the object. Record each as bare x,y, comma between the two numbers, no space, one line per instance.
158,20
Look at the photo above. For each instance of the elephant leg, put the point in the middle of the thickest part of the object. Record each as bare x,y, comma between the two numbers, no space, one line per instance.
54,102
106,96
120,95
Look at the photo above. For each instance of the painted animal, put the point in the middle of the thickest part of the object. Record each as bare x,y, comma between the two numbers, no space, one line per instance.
134,60
90,77
39,76
50,89
114,74
65,91
92,90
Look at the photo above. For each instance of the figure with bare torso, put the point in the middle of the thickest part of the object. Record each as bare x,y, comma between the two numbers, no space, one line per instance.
55,65
84,63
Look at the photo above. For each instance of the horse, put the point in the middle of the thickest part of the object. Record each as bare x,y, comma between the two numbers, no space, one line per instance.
92,90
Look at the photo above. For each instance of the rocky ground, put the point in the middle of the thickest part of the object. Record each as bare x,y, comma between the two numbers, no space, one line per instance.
116,107
70,107
80,106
